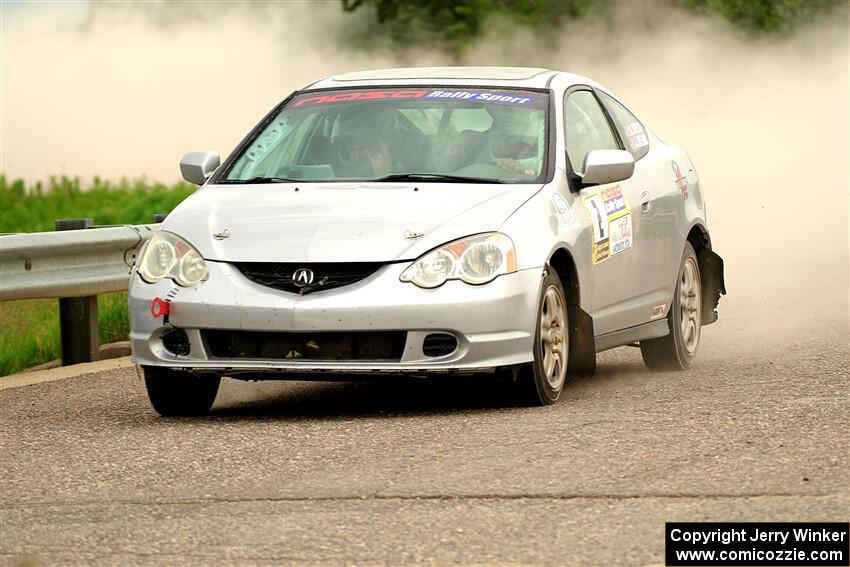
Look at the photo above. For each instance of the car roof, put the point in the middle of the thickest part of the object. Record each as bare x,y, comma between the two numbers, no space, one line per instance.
530,77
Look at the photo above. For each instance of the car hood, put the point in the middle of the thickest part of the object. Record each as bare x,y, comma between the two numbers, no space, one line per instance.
352,222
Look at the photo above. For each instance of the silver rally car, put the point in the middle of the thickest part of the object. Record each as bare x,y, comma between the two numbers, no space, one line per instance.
460,220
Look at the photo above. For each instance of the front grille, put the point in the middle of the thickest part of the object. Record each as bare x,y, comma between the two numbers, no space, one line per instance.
373,345
321,276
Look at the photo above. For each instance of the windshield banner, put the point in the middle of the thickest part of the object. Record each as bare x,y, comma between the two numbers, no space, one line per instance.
517,98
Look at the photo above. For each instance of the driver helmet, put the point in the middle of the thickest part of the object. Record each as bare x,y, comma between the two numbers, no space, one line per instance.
364,138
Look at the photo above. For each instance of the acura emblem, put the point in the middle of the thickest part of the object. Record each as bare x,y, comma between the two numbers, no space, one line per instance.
302,277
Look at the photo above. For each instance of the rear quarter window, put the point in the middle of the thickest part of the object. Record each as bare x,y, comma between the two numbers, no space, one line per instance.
631,129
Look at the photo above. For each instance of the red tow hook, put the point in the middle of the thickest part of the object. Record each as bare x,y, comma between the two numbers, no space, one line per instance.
159,307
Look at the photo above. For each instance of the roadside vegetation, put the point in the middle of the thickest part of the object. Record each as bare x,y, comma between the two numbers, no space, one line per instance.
452,25
37,207
29,329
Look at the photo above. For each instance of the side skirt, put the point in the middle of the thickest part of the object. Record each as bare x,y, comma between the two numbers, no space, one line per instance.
651,330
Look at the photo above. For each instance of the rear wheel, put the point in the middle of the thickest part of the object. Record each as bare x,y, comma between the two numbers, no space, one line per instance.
541,381
677,350
173,393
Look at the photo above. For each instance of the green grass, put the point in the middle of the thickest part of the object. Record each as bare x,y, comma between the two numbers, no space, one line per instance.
29,329
29,332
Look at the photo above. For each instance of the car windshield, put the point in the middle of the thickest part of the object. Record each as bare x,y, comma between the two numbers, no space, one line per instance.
458,134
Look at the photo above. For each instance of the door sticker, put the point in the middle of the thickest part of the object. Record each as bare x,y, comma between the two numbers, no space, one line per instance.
681,180
611,219
635,135
658,312
621,234
598,217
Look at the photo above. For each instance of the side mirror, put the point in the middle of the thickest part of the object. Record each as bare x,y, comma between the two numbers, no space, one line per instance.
607,166
196,167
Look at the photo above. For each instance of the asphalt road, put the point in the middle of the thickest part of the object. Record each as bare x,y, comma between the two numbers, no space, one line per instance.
399,473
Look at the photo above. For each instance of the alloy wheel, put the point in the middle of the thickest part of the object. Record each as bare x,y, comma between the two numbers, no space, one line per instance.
554,338
690,305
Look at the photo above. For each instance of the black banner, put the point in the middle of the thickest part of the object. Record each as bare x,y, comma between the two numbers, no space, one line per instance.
768,543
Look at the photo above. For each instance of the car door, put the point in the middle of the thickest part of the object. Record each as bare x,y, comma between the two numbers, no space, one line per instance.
612,208
656,227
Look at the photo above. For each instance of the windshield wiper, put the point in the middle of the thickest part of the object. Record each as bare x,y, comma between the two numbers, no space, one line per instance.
255,180
437,177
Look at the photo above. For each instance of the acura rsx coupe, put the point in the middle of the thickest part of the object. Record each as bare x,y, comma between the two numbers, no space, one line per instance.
441,221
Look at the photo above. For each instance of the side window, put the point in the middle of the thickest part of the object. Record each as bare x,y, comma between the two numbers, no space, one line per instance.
630,127
587,128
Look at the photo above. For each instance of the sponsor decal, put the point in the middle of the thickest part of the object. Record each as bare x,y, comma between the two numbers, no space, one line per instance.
681,180
638,142
621,234
598,217
611,192
635,135
633,129
503,98
611,221
311,99
658,312
306,100
601,251
614,199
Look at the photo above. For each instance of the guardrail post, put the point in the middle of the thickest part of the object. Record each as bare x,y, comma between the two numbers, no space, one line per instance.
78,315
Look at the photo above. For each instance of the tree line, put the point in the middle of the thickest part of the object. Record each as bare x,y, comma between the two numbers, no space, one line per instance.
453,24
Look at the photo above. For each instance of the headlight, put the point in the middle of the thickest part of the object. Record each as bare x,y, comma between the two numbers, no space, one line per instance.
475,259
169,256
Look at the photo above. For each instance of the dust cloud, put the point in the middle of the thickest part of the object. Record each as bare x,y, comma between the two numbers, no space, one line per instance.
125,89
766,124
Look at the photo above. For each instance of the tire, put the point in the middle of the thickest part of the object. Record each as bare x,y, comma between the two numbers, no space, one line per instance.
174,393
678,349
541,382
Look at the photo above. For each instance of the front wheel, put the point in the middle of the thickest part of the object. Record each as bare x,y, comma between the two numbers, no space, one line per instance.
173,393
677,350
541,381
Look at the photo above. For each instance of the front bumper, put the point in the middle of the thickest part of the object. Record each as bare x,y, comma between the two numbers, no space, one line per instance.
493,323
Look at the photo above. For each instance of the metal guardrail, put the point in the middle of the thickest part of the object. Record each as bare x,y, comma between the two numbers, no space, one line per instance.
69,263
73,264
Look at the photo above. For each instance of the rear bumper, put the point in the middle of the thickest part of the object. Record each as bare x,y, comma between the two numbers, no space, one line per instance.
494,323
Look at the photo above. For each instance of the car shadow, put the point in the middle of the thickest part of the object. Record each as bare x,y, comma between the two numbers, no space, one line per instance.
366,398
401,396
